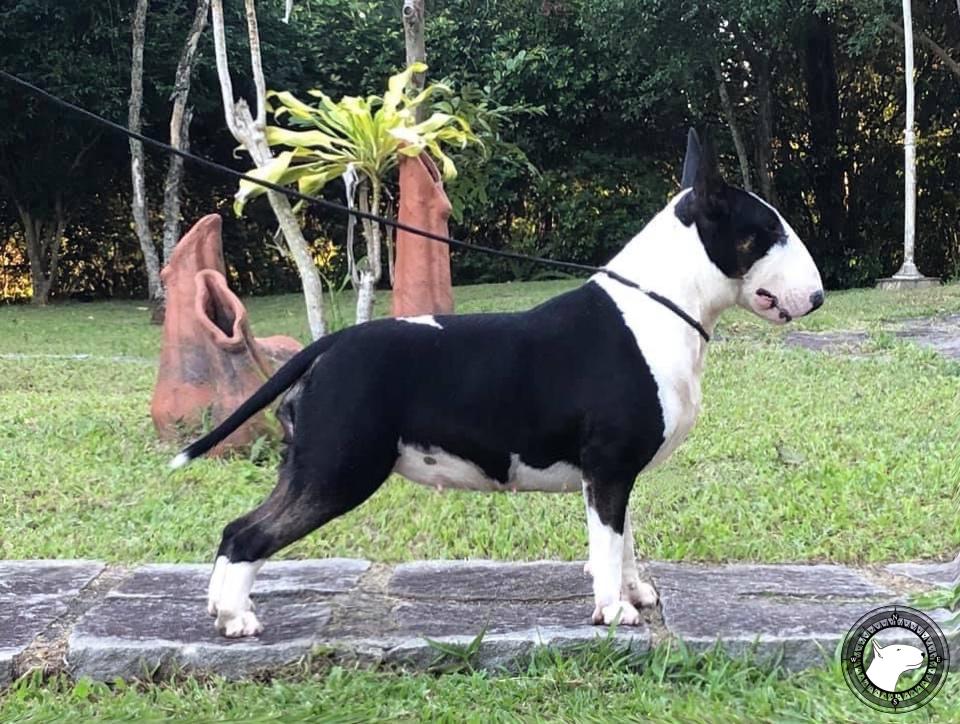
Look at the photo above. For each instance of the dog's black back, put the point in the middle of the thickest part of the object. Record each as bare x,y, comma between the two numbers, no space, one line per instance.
545,385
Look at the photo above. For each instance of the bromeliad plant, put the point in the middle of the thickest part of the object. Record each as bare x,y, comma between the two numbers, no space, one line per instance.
362,139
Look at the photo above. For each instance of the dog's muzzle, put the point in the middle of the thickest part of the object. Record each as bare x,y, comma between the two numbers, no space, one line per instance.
787,312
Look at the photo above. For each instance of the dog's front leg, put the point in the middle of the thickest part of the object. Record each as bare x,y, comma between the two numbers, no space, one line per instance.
606,515
632,588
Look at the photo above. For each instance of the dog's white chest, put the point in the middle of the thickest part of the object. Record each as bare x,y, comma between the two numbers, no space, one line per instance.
674,353
682,399
439,469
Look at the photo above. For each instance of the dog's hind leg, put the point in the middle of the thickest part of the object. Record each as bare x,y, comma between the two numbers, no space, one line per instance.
296,507
282,488
286,415
235,616
632,589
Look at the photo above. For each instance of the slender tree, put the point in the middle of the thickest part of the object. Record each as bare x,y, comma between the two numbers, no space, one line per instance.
54,170
361,140
932,45
728,111
141,221
180,118
179,138
413,20
249,130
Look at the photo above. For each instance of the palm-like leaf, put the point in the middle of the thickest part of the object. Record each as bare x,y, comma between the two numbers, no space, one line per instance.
369,134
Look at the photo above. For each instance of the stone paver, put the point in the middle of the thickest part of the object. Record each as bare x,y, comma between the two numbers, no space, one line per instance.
131,637
157,617
491,580
945,575
154,618
941,334
938,575
33,594
827,341
799,612
331,575
518,605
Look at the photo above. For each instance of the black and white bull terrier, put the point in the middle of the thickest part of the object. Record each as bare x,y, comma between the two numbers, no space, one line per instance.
585,391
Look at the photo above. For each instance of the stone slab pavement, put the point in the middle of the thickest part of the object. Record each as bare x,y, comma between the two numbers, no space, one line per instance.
940,334
33,596
106,622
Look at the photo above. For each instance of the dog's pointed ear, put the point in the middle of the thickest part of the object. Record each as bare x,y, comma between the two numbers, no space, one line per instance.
691,161
877,649
708,183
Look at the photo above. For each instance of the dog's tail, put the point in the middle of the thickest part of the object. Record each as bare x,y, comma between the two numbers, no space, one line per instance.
271,389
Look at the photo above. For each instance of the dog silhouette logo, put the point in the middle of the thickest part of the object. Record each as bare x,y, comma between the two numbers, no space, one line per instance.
895,659
890,661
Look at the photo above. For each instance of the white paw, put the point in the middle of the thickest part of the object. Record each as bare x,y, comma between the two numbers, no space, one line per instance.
628,615
213,608
639,593
216,584
587,571
235,626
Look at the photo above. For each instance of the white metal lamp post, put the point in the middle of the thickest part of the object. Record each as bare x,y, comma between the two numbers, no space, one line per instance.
908,275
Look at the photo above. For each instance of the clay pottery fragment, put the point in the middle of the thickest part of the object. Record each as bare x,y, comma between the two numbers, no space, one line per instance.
278,349
422,271
209,360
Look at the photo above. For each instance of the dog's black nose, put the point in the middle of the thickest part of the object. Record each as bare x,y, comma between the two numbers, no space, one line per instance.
816,299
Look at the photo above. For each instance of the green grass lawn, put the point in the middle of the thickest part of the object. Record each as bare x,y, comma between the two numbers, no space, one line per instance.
798,456
596,685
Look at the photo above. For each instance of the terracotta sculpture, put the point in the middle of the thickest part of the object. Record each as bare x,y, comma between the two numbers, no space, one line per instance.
210,362
422,273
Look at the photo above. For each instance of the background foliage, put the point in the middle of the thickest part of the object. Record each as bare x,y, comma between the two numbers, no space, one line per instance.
587,105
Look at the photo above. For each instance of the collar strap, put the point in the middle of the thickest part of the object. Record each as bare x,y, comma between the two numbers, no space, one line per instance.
673,307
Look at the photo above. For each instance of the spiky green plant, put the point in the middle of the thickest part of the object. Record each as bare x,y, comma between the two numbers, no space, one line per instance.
366,135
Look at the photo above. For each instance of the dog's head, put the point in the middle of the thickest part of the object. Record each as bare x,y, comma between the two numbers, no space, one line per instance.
748,240
899,656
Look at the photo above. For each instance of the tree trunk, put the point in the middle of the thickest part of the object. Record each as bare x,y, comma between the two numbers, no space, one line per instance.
389,233
824,110
728,111
365,297
370,267
141,223
952,65
180,130
43,249
761,65
249,132
42,233
351,184
414,12
413,17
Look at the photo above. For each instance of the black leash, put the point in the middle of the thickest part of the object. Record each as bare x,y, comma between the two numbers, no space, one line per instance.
323,203
672,306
